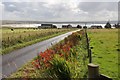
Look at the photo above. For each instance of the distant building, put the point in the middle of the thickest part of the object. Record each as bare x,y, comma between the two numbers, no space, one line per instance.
47,26
64,26
84,27
67,26
96,27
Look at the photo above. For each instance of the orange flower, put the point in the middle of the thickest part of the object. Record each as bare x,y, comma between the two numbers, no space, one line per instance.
37,66
61,55
33,63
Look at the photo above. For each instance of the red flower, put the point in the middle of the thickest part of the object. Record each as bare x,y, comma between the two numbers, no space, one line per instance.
37,66
61,55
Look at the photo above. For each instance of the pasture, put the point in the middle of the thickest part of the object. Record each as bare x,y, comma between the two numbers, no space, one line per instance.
13,39
105,50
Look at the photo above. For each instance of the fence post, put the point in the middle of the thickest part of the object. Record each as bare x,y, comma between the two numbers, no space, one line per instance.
88,47
87,41
90,56
93,72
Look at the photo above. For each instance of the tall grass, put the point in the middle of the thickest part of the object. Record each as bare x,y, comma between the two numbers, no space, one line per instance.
19,38
59,69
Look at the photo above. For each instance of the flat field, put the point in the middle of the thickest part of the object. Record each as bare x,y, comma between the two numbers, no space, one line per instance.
105,50
13,39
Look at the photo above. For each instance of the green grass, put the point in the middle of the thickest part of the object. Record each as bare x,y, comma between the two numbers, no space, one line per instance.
104,53
20,38
105,50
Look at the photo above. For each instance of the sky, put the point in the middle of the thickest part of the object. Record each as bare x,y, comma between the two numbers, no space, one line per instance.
59,10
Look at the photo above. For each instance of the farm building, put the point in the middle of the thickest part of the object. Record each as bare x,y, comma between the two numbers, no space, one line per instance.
47,26
67,26
96,27
84,27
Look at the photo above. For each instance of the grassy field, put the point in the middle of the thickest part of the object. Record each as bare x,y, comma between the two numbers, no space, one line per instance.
13,39
105,50
104,53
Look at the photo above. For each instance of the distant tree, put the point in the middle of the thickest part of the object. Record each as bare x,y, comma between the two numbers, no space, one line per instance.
79,26
117,25
108,25
114,25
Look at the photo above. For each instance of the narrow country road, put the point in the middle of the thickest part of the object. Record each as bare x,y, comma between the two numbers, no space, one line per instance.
13,61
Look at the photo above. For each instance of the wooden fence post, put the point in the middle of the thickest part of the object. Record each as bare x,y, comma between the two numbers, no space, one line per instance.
93,72
88,47
87,41
90,56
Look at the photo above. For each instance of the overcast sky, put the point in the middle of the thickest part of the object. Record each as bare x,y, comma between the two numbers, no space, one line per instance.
59,10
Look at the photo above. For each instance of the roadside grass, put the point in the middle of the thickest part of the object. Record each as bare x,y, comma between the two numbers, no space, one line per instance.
27,71
35,36
105,50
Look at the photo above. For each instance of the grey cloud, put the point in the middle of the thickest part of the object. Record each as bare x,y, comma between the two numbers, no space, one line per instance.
8,8
98,6
19,6
26,9
60,11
